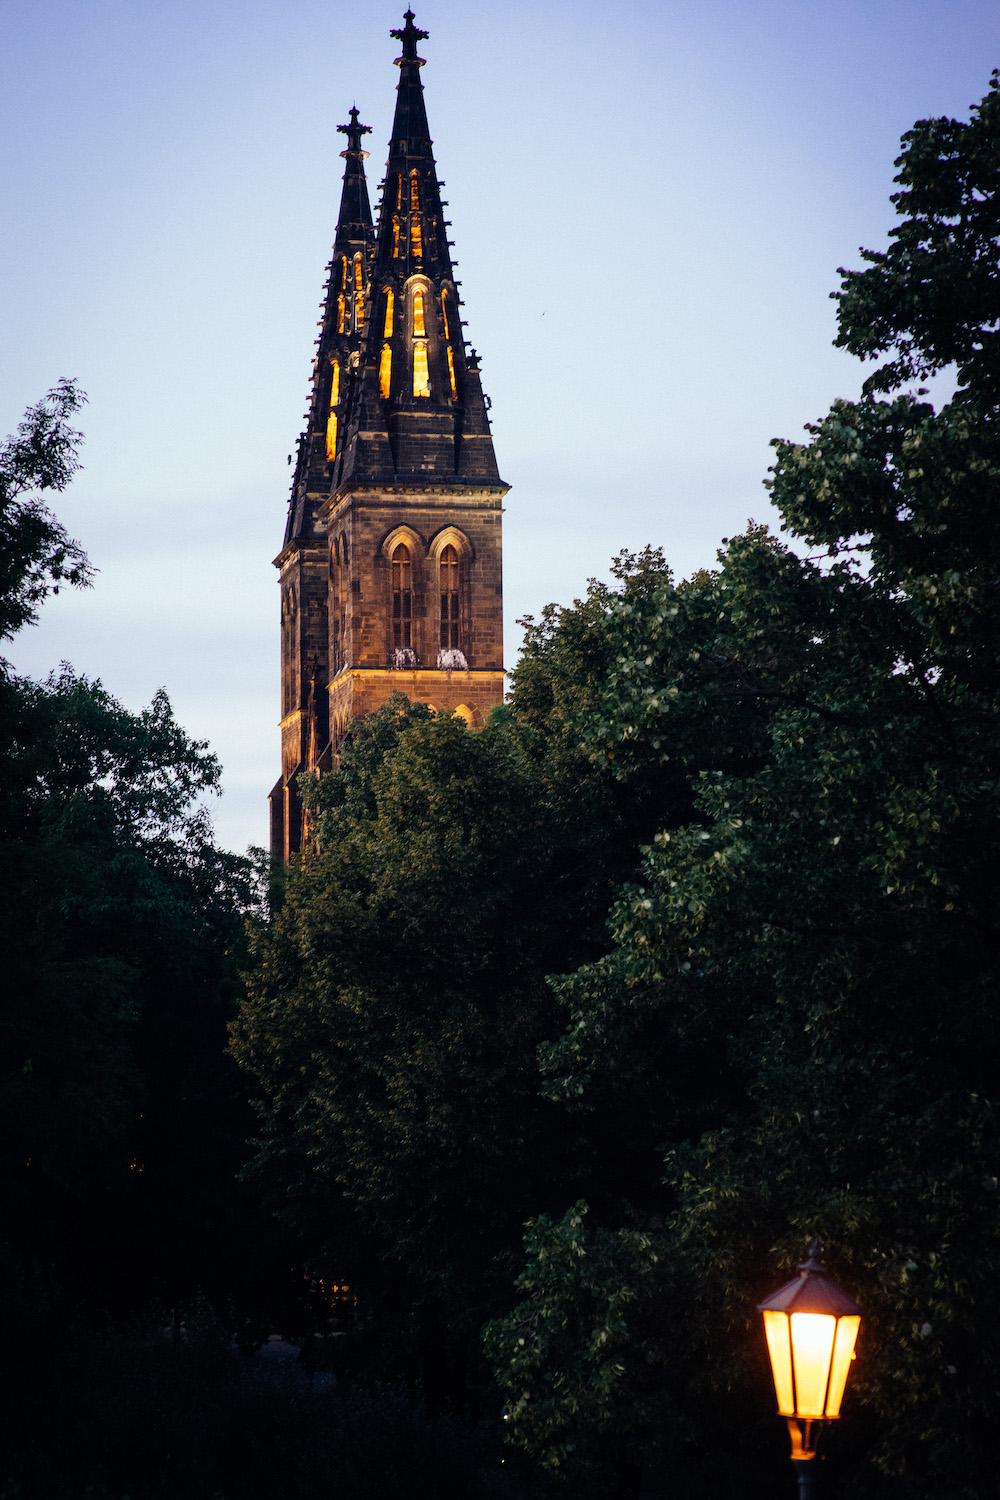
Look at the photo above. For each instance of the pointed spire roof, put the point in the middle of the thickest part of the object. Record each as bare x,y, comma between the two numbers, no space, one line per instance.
341,339
419,413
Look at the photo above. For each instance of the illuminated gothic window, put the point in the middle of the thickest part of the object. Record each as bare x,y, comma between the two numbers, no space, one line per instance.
416,237
451,374
359,296
341,311
387,326
331,421
449,599
343,273
395,239
385,371
421,379
414,192
402,598
419,330
444,314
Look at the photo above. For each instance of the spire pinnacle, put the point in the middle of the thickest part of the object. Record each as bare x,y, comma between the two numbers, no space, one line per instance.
354,132
409,35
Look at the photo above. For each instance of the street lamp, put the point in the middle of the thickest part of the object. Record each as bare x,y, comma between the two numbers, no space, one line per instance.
811,1327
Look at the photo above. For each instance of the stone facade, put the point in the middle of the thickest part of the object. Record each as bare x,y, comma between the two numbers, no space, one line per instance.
390,571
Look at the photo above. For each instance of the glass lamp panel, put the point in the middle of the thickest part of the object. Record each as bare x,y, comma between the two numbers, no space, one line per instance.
843,1353
812,1347
780,1350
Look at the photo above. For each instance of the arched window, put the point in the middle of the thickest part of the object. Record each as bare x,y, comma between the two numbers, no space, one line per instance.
385,371
341,310
359,296
451,374
343,273
402,598
448,566
414,193
421,376
444,314
395,239
419,329
331,421
416,238
387,324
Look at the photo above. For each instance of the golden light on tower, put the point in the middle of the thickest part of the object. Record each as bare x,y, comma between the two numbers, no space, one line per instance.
811,1326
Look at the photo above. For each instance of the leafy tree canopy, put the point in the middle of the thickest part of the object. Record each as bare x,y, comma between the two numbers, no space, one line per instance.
825,919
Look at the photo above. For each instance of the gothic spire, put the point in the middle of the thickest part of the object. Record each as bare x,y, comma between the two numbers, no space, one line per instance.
420,410
341,337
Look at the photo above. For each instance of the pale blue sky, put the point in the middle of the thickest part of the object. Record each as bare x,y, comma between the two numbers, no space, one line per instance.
649,202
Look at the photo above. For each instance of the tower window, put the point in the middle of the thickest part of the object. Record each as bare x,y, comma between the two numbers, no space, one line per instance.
421,379
387,325
395,239
331,421
385,371
416,237
419,330
451,374
341,310
449,599
343,273
402,598
414,193
444,314
359,296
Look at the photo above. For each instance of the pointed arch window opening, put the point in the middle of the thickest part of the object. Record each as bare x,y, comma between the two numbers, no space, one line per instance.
343,273
416,238
402,598
359,296
331,421
387,321
341,311
448,568
451,374
385,371
419,328
395,239
414,192
421,374
444,314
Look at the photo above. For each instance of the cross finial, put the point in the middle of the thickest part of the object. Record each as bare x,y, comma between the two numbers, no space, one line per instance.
409,35
354,132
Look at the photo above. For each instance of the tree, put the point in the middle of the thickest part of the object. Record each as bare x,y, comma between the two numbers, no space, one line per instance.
829,912
36,553
122,929
394,1010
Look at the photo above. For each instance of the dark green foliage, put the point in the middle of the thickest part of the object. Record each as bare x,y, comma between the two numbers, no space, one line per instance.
36,554
395,1007
933,298
826,915
122,929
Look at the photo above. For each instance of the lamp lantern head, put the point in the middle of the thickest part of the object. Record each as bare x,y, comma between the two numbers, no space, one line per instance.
811,1327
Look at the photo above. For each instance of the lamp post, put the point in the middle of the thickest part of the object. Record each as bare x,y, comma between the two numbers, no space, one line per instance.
811,1327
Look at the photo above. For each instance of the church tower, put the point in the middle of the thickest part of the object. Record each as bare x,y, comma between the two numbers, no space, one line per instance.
391,565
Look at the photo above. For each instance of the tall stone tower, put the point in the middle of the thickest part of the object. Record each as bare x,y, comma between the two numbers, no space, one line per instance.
391,564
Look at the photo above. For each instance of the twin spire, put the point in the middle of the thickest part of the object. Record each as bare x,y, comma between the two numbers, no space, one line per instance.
395,398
